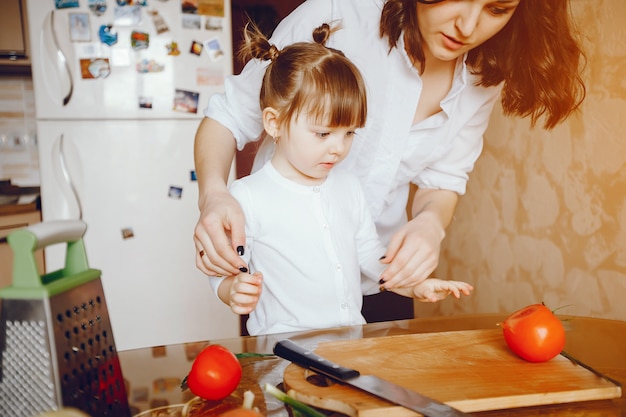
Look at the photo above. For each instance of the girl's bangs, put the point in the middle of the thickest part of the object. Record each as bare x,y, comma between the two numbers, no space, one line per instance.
334,104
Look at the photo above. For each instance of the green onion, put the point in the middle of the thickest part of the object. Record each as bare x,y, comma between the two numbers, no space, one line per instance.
248,400
301,408
253,355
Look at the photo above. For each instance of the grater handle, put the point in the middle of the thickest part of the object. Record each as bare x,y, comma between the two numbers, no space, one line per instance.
27,240
58,231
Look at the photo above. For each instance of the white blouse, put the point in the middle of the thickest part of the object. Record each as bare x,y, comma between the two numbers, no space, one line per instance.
390,152
311,243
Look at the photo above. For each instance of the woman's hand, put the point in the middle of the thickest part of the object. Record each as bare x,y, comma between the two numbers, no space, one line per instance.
412,254
413,251
219,235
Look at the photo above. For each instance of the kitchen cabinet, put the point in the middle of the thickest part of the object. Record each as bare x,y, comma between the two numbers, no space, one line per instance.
14,217
14,40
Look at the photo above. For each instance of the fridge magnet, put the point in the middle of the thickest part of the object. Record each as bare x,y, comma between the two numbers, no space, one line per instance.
214,23
127,233
189,6
192,349
98,7
139,40
211,7
64,4
175,192
214,49
172,48
159,22
196,48
139,394
79,27
145,102
209,76
190,21
94,68
149,65
127,16
186,101
158,351
192,176
106,36
132,2
162,385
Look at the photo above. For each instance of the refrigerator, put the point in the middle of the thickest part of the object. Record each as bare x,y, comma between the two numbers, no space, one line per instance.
119,89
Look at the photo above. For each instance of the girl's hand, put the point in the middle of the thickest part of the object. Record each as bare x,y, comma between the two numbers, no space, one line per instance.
433,290
218,233
413,253
245,291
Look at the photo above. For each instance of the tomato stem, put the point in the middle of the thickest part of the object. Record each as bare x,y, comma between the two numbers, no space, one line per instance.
559,308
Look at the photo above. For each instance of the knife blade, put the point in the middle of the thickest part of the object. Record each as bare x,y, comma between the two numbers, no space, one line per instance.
429,407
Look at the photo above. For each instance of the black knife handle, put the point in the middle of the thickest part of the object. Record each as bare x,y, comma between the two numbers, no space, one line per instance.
297,354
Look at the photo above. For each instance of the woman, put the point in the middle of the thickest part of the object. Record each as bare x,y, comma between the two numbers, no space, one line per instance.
313,103
433,70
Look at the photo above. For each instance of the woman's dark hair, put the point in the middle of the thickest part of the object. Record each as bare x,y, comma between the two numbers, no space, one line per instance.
536,56
308,77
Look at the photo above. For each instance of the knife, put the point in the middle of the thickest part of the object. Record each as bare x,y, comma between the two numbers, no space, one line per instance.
371,384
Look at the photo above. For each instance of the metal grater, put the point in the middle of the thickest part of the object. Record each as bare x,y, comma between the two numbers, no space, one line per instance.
57,347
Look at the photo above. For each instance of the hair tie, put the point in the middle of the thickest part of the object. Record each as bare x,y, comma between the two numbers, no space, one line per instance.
273,52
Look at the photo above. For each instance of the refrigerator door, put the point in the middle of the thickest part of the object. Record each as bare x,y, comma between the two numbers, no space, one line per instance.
132,182
77,75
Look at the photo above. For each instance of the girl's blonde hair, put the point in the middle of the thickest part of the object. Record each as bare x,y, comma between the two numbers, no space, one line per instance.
308,77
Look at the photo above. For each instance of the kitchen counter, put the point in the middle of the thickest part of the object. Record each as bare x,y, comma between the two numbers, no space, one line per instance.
17,200
153,375
19,208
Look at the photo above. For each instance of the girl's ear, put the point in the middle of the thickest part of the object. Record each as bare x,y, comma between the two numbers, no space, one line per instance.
270,121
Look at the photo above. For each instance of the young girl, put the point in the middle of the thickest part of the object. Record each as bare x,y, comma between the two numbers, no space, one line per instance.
433,71
309,233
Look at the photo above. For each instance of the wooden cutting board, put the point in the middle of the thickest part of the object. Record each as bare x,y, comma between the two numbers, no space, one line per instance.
470,370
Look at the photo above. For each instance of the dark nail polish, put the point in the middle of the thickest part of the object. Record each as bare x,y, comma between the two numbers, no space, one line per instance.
243,269
381,281
240,250
381,258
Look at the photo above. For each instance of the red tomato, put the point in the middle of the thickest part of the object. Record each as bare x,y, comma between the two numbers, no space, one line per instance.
534,333
215,373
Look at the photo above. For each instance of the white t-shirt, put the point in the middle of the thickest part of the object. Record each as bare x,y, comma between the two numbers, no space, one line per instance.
311,243
390,152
